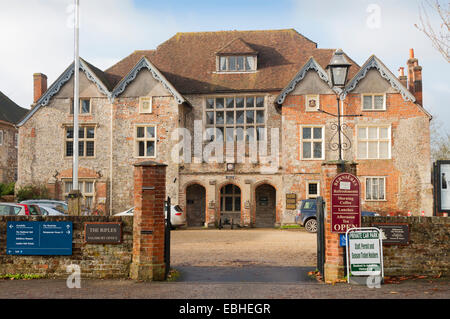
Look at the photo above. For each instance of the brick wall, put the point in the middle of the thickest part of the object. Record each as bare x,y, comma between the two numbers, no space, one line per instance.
428,249
95,260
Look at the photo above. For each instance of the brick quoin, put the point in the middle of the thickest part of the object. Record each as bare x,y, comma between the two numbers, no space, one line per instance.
148,249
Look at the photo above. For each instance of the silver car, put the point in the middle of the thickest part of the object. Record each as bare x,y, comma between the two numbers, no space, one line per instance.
50,211
177,217
12,209
55,204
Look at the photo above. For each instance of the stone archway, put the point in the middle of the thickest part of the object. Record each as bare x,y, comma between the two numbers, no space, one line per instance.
195,205
265,206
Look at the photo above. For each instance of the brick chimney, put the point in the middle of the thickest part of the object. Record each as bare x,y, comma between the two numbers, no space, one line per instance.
402,77
39,85
414,77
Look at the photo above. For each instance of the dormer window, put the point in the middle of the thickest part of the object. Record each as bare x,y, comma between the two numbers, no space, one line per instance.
237,63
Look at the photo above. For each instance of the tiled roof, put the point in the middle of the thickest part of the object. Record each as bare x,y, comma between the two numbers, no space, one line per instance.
10,111
237,46
188,60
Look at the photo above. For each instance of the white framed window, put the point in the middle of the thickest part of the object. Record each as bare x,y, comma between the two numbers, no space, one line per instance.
86,141
1,137
312,189
312,103
232,117
87,189
145,140
373,102
312,142
237,63
375,188
16,140
84,108
374,142
145,104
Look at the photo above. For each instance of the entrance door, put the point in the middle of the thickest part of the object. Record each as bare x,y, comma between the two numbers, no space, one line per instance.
230,203
265,206
195,205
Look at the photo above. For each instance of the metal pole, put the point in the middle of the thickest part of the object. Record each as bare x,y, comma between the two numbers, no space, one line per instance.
76,100
339,127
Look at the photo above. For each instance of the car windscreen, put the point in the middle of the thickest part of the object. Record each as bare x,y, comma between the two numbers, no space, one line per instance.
309,205
7,210
34,210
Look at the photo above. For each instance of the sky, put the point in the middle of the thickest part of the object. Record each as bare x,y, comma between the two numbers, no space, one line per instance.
37,35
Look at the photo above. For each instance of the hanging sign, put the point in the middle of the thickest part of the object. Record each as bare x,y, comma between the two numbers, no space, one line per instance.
345,203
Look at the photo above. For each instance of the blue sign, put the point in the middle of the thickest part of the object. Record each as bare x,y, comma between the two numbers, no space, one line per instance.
39,238
342,240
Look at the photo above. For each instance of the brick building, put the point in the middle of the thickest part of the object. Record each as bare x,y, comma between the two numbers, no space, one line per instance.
235,115
10,114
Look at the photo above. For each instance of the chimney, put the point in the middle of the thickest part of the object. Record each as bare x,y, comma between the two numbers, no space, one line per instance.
39,85
402,77
415,77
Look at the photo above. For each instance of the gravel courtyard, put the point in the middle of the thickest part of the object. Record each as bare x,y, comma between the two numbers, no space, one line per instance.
241,247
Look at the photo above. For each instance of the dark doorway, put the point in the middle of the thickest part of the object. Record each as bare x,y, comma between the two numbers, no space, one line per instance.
195,205
265,196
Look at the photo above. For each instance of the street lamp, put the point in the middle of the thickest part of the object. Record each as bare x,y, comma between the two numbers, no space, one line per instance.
338,67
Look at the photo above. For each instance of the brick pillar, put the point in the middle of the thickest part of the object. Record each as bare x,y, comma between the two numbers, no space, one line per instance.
334,255
148,224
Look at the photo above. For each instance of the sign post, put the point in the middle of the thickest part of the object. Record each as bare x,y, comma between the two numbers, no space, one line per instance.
345,203
365,252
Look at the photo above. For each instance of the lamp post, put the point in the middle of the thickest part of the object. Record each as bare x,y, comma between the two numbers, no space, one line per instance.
338,67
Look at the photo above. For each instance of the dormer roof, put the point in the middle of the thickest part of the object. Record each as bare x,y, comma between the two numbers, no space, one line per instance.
237,47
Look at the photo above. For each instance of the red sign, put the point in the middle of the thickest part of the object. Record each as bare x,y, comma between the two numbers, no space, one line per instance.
345,203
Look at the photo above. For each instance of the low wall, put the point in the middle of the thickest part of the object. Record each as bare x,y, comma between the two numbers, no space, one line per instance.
427,252
95,260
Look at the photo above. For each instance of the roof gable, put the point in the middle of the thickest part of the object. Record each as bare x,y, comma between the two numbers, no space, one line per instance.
374,63
9,111
237,46
131,76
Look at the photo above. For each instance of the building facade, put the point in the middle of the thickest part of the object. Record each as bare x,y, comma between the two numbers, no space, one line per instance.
237,117
10,114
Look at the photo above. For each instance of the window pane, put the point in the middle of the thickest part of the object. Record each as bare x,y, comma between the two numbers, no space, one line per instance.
306,150
306,133
312,189
384,132
250,116
219,117
317,132
250,102
150,131
260,101
85,106
232,63
90,132
317,149
375,188
368,189
209,117
249,63
240,117
228,204
230,134
219,103
141,146
88,187
219,134
69,148
67,187
367,102
237,190
381,188
88,201
239,133
239,102
237,204
229,189
373,149
362,132
250,133
230,103
150,148
209,103
89,148
260,133
378,102
140,132
69,132
259,116
373,133
384,149
230,117
362,150
240,63
81,148
81,132
223,63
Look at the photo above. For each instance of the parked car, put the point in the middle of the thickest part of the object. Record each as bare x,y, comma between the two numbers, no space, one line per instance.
50,211
11,209
55,204
306,215
177,217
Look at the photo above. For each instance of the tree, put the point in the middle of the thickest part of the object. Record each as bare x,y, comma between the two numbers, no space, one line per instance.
439,36
440,141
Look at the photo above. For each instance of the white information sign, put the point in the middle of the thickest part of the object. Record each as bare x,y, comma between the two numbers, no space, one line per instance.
364,252
445,186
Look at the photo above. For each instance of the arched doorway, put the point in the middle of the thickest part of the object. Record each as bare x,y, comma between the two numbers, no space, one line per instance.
195,205
265,215
230,203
